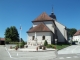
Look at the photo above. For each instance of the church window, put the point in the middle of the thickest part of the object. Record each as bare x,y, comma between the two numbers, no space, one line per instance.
32,37
43,37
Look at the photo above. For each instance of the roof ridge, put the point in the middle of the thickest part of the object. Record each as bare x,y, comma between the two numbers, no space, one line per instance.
42,17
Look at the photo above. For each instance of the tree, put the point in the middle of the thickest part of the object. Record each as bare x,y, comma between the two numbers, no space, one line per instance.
21,44
22,41
71,31
45,43
7,35
11,34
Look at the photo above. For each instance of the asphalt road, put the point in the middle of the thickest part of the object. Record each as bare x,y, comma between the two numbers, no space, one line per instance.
74,49
69,53
5,54
68,57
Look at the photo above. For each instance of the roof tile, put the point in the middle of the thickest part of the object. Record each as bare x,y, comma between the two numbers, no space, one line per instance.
43,17
2,39
77,33
40,28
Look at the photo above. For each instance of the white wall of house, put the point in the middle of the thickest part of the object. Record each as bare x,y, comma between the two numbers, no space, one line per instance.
76,38
49,24
39,37
60,32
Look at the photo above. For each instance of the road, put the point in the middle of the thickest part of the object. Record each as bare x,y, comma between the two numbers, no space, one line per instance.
74,49
5,54
69,53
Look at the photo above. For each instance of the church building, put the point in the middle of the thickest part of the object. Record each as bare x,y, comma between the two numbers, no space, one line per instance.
46,27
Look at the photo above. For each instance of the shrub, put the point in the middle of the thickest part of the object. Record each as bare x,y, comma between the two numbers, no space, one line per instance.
50,46
21,45
45,43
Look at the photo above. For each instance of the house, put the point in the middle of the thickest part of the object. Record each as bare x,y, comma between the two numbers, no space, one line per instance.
2,41
76,37
46,27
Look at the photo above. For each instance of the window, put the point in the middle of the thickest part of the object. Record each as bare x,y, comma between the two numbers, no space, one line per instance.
43,37
32,37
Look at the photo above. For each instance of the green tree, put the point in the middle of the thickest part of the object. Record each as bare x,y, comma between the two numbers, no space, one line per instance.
71,31
7,35
22,41
45,43
11,34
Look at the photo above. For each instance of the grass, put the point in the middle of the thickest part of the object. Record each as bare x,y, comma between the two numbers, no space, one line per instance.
59,47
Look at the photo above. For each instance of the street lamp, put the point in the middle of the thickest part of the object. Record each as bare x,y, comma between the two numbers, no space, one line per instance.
56,42
56,47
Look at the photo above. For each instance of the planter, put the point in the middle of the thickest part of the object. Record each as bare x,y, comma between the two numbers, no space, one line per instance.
40,47
10,47
43,48
37,48
16,48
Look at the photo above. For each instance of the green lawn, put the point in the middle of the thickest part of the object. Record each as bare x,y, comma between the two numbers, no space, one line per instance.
59,47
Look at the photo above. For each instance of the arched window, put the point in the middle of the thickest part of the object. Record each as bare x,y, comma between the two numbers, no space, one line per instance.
43,37
32,37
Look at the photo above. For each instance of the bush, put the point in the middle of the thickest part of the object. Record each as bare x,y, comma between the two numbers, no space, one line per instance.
45,43
50,46
21,45
13,42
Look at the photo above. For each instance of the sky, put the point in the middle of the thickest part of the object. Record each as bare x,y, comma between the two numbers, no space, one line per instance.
16,12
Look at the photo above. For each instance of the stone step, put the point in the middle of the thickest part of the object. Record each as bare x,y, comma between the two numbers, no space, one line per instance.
32,47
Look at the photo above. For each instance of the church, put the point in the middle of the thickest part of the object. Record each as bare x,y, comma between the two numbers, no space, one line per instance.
46,27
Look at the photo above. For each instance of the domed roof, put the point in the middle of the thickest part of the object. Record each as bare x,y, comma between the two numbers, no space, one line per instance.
52,16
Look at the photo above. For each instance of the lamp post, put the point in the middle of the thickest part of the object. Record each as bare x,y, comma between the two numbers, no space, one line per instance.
56,47
20,36
56,43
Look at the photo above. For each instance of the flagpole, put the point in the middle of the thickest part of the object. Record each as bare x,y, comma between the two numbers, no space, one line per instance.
20,36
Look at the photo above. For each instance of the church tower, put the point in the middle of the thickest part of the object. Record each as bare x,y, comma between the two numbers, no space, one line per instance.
52,15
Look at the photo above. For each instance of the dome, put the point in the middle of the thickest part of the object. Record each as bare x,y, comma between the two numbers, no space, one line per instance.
53,16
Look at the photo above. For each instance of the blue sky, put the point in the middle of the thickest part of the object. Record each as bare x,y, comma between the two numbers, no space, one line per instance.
16,12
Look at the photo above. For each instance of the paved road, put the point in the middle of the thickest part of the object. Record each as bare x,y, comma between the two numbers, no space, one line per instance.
17,55
3,54
70,50
69,53
68,57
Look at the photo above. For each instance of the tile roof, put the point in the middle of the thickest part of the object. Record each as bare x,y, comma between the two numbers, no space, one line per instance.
77,33
40,28
43,17
2,39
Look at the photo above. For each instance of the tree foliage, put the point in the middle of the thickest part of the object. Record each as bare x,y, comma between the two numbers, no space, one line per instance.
45,43
71,31
11,34
21,44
